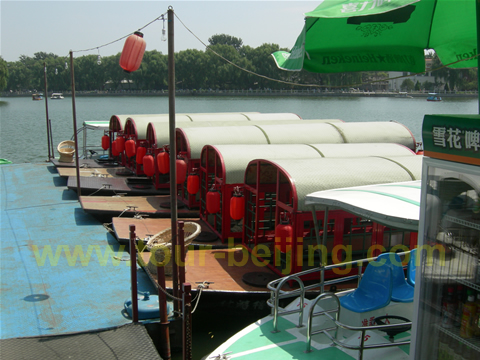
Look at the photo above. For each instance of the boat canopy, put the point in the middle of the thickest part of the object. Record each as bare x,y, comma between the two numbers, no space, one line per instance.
137,127
232,160
298,178
158,132
396,205
192,140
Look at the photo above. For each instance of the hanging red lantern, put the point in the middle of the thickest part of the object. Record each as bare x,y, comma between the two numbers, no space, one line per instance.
284,236
148,165
114,148
130,148
237,205
105,142
120,144
132,53
193,183
213,201
141,151
181,168
163,162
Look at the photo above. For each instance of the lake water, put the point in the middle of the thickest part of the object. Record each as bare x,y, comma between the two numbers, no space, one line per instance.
23,139
23,121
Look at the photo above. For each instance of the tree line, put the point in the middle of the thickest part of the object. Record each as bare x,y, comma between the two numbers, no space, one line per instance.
194,69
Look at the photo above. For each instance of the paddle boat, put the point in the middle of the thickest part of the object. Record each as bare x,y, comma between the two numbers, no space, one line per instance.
433,97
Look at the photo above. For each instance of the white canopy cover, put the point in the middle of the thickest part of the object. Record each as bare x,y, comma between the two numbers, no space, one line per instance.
395,204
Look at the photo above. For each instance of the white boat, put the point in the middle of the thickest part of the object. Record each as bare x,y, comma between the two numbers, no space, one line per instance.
56,96
403,95
341,325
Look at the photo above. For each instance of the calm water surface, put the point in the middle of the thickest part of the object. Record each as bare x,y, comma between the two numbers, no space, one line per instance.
23,139
23,125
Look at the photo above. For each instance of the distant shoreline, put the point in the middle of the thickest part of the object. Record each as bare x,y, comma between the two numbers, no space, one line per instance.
252,93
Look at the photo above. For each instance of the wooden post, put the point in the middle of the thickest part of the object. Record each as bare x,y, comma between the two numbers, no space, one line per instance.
164,323
187,321
74,111
133,274
173,152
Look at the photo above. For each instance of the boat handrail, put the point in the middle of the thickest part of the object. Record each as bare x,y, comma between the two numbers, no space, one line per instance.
275,297
276,292
339,324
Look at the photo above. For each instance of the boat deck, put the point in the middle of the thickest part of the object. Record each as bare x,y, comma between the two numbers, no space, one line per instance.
90,172
130,186
129,206
85,163
61,271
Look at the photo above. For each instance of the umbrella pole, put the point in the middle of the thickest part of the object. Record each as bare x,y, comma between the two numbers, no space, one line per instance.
477,8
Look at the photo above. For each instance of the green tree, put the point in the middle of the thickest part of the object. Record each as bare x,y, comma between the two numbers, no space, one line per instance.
224,39
407,85
3,74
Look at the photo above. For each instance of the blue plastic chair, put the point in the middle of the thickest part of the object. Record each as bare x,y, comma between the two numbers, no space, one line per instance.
374,290
411,267
402,291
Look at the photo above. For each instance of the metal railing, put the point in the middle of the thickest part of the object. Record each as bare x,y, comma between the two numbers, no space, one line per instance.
276,293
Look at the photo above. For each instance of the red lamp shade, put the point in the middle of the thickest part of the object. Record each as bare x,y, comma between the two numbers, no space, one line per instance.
213,202
141,151
132,53
120,144
163,162
115,152
181,167
130,148
148,165
105,142
237,207
284,237
193,184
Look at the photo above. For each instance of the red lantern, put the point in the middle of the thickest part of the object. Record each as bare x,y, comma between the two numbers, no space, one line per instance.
148,165
105,142
237,206
163,162
141,151
213,201
132,53
114,148
284,236
181,167
130,148
193,184
120,144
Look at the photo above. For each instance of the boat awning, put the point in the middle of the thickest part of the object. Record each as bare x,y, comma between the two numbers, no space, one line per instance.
96,125
396,205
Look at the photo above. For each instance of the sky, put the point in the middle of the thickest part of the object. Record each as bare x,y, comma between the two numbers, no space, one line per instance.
58,27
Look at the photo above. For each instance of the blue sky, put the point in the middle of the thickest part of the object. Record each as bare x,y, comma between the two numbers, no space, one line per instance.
57,27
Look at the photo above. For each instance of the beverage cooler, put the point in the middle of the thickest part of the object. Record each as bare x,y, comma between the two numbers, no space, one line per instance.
447,283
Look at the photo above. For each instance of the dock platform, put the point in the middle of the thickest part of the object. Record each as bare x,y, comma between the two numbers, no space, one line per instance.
61,271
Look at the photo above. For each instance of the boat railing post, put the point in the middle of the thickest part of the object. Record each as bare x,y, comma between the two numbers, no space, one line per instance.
187,321
133,273
164,323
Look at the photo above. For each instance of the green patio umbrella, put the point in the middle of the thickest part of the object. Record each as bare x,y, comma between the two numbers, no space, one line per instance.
383,35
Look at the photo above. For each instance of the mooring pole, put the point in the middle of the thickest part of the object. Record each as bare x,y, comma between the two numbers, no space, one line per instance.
164,323
72,74
133,274
187,321
46,108
173,154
